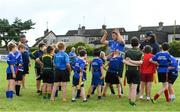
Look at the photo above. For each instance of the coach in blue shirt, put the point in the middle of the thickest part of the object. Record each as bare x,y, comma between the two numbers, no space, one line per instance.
117,41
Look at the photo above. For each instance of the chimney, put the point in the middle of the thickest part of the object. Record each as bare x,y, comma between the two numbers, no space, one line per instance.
161,24
139,27
46,32
103,26
83,29
79,29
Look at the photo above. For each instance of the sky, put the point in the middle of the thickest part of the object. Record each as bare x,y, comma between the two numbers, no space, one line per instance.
64,15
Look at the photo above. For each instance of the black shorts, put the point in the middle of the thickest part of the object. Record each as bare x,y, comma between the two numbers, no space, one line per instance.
133,76
120,73
172,78
10,77
61,76
38,72
48,76
163,77
19,76
76,82
26,69
112,78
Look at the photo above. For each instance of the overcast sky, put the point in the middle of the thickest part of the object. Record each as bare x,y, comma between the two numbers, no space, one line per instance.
64,15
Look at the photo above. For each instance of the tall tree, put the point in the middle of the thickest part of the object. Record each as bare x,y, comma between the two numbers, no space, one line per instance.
9,32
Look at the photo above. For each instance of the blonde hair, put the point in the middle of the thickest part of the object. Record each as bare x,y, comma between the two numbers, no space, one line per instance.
21,46
61,45
11,46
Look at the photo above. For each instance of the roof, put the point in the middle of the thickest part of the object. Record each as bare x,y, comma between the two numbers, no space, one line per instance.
92,32
41,38
168,29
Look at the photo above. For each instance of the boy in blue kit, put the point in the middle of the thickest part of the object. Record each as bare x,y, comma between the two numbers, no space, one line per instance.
97,74
25,57
163,60
11,69
62,71
172,76
78,76
72,56
20,68
36,54
113,71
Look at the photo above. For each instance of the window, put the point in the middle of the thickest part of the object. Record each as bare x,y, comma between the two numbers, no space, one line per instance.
142,37
65,40
125,37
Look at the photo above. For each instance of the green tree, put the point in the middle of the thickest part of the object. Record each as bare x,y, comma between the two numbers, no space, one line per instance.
175,48
9,32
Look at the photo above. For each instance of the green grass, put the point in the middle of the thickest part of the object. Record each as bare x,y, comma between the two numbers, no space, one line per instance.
30,101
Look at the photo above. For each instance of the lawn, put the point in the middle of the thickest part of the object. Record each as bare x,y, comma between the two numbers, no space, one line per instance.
31,101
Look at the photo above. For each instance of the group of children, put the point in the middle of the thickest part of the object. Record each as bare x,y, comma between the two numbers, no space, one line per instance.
54,66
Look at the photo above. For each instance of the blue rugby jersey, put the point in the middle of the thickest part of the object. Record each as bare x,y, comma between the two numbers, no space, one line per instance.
19,61
114,45
163,59
96,67
80,64
61,59
174,63
11,60
115,64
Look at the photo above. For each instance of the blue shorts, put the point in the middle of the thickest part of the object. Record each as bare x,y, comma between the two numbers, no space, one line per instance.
97,81
76,82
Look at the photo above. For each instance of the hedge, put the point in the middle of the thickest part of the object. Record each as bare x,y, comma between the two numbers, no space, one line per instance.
175,48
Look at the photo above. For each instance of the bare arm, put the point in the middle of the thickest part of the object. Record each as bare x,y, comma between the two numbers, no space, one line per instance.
136,62
120,39
68,67
102,73
39,62
104,38
153,61
129,63
12,70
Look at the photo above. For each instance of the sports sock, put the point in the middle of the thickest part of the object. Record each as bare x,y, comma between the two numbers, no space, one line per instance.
167,95
156,96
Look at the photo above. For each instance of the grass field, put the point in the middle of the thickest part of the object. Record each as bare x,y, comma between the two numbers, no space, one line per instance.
31,101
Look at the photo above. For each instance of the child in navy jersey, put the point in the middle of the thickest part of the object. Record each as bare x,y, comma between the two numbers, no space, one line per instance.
97,74
163,60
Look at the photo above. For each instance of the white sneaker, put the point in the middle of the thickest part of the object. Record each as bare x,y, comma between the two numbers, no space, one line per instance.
148,98
141,97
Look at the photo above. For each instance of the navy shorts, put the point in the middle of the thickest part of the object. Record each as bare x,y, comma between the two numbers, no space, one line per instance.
172,78
163,77
48,76
61,76
76,82
19,76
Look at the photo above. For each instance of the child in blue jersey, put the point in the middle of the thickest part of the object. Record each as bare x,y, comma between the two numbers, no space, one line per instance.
72,56
20,68
163,60
97,74
11,69
115,64
79,76
25,57
62,71
172,76
36,54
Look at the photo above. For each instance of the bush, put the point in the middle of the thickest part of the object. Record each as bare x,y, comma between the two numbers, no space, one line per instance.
87,47
175,48
33,49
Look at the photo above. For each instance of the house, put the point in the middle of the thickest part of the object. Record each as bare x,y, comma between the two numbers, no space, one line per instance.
93,36
89,36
